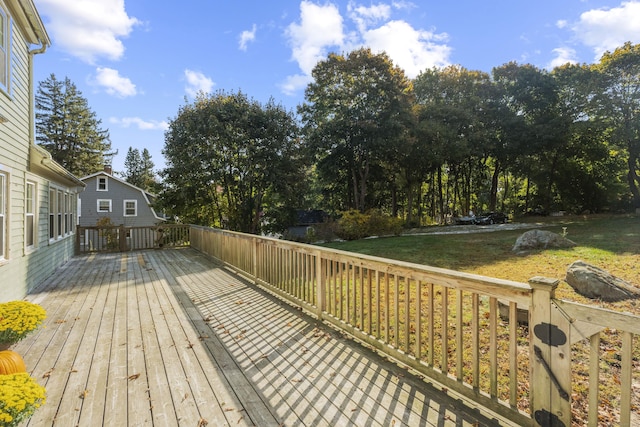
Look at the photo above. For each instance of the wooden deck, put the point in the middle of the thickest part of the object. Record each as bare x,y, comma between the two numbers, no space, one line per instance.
171,338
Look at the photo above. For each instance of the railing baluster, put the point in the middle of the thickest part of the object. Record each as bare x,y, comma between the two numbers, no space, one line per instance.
444,316
493,346
513,354
459,335
387,313
594,375
418,349
625,378
378,323
369,301
407,313
396,314
430,325
475,340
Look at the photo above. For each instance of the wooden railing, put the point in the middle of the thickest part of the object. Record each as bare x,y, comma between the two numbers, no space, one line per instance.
460,330
122,239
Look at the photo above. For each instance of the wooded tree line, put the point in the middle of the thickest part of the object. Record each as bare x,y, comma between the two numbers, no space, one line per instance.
519,139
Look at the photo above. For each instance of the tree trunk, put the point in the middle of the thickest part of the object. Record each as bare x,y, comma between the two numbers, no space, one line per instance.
632,177
493,197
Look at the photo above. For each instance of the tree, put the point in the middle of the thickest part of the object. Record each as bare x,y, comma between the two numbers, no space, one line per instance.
453,105
355,114
231,162
619,100
139,170
537,130
68,129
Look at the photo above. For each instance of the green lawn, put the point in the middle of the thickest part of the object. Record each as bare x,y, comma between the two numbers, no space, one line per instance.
611,242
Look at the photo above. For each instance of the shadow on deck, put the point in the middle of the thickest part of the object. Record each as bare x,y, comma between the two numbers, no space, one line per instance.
171,338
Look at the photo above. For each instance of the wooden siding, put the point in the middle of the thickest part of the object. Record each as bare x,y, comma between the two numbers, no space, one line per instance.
24,268
118,191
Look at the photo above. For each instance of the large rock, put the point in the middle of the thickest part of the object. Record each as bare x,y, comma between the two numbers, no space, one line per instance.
541,239
593,282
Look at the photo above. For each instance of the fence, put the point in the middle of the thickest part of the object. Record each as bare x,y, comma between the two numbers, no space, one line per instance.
460,330
121,238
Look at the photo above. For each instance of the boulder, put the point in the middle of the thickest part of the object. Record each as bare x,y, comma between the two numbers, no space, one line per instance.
593,282
541,239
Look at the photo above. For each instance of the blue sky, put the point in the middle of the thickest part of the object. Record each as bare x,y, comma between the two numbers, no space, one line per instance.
136,61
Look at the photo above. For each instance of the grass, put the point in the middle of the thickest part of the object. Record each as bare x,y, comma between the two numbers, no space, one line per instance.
606,241
611,242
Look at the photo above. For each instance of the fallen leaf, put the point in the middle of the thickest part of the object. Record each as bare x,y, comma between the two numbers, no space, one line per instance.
84,394
133,377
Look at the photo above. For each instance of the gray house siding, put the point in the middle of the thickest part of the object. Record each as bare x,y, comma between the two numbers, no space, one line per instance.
114,195
29,253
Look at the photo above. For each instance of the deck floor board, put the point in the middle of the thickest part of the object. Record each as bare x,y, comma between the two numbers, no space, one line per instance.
172,338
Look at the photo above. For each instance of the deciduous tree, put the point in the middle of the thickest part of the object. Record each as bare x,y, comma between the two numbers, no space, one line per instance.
620,105
231,162
355,113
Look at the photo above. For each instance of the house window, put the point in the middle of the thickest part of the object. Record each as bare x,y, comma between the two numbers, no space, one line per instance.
4,49
52,213
3,214
68,213
60,212
103,184
130,208
104,205
30,215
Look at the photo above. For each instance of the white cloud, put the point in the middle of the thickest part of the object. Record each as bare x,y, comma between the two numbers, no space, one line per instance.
321,28
607,29
410,49
246,37
113,83
88,29
293,83
563,55
197,82
364,16
139,123
561,23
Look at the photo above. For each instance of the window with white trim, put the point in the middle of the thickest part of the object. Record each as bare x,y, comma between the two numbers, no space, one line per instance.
60,212
3,215
30,215
104,205
130,208
4,48
103,184
52,213
61,206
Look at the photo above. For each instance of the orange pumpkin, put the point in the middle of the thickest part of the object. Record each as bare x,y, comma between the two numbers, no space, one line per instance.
11,363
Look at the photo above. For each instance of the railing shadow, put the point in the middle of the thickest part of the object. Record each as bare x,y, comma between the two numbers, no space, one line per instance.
308,373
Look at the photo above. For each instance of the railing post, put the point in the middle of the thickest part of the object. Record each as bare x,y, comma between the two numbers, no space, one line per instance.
122,237
254,256
77,243
550,354
320,285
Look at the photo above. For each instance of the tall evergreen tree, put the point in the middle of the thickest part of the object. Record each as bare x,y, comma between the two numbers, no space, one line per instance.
139,170
133,167
68,128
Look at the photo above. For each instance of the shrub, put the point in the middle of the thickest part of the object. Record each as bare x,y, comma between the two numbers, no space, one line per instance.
354,225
